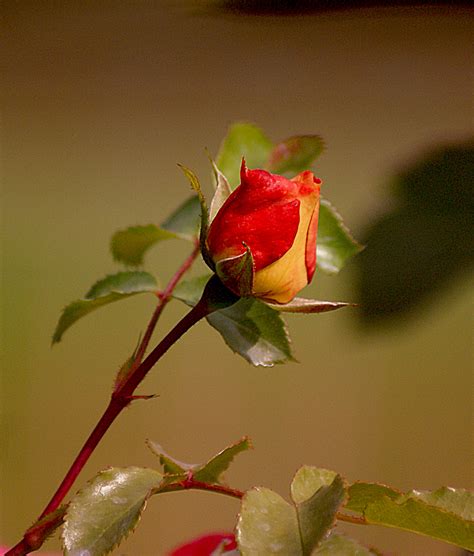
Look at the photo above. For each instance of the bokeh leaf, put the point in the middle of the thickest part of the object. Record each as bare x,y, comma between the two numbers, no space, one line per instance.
103,513
185,220
339,545
129,246
249,327
269,525
335,245
112,288
242,140
295,154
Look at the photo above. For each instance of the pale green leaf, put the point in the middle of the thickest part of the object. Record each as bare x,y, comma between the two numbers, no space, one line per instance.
112,288
455,500
171,466
212,471
267,525
318,494
339,545
243,140
129,246
334,245
303,305
185,220
361,494
107,509
295,154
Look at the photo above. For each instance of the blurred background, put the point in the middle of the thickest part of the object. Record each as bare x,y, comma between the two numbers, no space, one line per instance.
101,100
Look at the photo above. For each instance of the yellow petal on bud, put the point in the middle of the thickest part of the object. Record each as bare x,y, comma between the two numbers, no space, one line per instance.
283,279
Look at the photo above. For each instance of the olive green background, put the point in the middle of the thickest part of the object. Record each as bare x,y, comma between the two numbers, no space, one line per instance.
101,100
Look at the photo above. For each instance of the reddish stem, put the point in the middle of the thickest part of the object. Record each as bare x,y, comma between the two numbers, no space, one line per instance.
121,397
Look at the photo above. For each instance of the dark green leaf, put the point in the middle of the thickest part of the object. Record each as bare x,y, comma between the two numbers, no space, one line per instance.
335,245
242,140
295,154
185,220
318,494
250,328
211,472
129,246
267,525
254,331
112,288
361,494
413,514
339,545
102,514
302,305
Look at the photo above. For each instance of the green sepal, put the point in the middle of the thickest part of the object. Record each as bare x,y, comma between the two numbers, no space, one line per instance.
237,273
194,181
222,191
303,305
112,288
295,154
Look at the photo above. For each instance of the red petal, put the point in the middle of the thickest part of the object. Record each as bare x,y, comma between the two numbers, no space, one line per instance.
205,545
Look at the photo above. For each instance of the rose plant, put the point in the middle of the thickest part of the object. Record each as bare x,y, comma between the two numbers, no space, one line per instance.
261,236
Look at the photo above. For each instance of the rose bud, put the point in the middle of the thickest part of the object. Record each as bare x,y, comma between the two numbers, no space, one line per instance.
275,220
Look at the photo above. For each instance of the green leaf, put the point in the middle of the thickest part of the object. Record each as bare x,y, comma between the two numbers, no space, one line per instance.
334,245
254,331
318,494
126,368
212,471
185,220
193,180
249,327
129,246
361,494
269,525
103,513
295,154
112,288
171,466
209,472
455,500
413,514
243,140
222,191
340,545
303,305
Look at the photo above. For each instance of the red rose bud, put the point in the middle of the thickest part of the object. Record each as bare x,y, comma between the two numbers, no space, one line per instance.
276,221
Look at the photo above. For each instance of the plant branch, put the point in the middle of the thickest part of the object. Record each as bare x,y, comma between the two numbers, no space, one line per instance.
215,297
